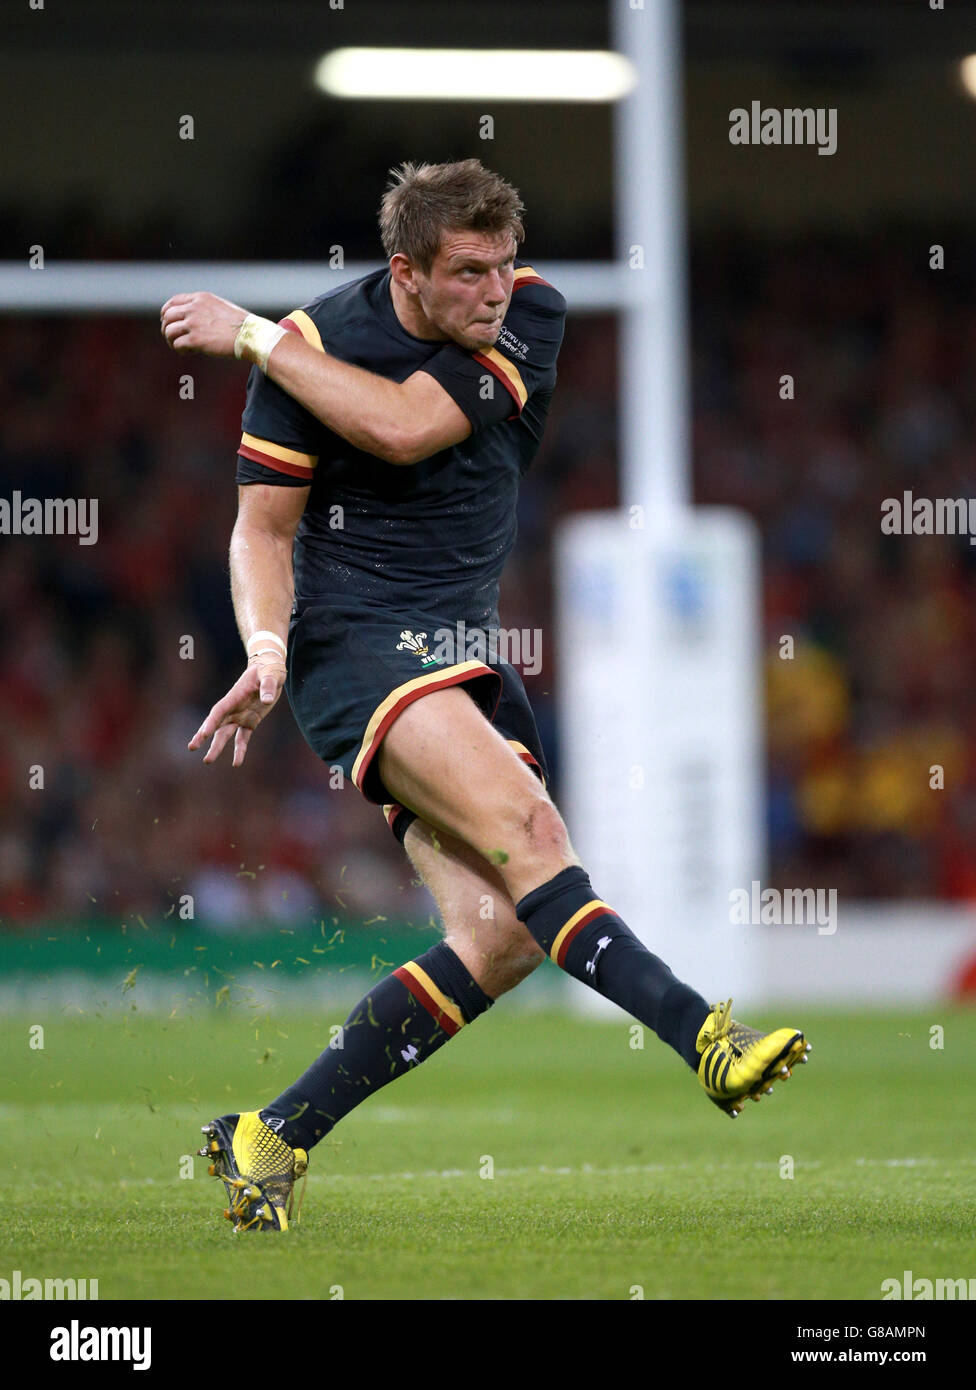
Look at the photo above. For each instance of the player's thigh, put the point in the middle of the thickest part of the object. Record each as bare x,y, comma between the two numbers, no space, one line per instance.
480,924
443,760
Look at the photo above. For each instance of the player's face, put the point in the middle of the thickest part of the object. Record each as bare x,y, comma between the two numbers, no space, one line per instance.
466,294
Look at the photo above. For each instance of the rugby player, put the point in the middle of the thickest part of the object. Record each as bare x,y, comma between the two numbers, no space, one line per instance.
407,405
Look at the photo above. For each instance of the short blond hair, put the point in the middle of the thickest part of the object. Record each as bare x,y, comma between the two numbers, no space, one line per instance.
424,201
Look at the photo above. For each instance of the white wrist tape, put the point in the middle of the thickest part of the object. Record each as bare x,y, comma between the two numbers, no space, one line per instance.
255,339
265,636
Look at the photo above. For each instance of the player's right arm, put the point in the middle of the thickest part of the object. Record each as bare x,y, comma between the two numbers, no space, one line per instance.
262,589
399,422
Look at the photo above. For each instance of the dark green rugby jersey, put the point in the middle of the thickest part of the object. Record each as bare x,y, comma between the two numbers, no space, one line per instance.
434,534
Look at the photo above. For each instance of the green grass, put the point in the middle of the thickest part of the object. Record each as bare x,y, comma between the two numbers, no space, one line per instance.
611,1169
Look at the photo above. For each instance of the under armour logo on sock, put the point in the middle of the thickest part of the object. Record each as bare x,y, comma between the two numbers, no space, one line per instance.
601,945
276,1125
409,1054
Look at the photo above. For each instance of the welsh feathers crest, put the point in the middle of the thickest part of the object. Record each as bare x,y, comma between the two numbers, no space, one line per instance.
415,642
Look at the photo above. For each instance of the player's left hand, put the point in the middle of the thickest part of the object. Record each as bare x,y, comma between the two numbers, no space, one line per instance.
201,322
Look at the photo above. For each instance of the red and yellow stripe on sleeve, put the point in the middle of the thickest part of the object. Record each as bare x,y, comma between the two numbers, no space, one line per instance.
526,275
278,456
506,372
299,322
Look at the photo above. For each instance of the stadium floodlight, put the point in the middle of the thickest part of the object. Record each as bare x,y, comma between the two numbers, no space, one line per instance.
967,73
475,74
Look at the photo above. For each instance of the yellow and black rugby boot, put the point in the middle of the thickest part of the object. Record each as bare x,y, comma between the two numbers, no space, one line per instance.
739,1064
258,1169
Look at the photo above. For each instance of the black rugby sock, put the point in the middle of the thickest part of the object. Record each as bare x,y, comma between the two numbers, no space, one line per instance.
588,940
395,1027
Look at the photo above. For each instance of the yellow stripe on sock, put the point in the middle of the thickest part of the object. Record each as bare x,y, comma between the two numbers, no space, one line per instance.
446,1005
595,902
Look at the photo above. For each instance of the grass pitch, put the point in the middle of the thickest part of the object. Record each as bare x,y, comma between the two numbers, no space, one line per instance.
612,1175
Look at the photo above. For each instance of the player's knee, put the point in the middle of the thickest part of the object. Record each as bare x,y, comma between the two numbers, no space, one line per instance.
545,828
534,828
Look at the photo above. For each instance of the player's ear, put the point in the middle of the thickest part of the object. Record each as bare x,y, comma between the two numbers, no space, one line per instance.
403,273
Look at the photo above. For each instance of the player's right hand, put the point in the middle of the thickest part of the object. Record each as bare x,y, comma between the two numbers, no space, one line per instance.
241,710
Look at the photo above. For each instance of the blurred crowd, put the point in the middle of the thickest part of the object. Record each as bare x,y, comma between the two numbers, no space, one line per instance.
871,721
111,653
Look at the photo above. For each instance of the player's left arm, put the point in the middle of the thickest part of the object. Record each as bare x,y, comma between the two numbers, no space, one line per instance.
400,422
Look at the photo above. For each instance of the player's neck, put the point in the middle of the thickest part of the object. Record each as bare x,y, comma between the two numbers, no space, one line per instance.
412,317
